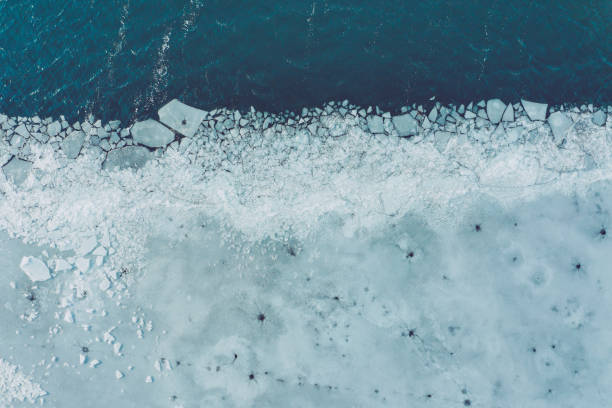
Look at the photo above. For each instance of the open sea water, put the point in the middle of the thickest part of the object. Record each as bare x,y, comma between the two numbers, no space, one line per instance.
125,58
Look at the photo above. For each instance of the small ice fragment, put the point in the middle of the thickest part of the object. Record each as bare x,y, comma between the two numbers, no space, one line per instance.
127,157
405,124
82,264
117,348
560,123
104,284
68,316
599,118
87,246
73,144
375,124
157,365
54,128
535,111
100,251
495,110
82,359
36,269
149,379
508,114
95,363
118,374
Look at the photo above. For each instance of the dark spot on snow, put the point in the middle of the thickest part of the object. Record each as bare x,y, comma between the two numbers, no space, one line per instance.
514,258
173,398
578,266
467,402
411,333
553,346
218,368
549,390
477,228
376,391
464,391
516,224
85,349
410,254
122,272
261,317
184,122
533,350
336,298
291,251
178,363
602,232
31,296
428,395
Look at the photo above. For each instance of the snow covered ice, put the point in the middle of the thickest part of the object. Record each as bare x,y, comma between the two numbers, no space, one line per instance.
343,257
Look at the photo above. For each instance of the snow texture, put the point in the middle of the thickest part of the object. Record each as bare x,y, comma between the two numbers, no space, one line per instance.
305,260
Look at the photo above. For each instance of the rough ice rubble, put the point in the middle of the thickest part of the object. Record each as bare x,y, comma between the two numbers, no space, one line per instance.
263,173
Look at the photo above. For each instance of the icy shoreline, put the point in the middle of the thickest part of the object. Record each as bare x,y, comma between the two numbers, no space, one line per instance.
265,174
272,180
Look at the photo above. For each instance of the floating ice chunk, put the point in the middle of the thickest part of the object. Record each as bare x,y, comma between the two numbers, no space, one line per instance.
149,379
182,118
82,359
73,143
560,123
127,157
151,133
469,114
22,131
375,124
118,374
495,110
405,124
535,111
433,115
508,114
36,269
17,170
599,118
94,363
54,128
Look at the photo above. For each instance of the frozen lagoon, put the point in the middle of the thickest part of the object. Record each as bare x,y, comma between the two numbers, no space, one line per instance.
305,260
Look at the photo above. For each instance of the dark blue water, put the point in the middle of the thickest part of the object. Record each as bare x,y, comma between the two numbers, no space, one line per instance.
124,58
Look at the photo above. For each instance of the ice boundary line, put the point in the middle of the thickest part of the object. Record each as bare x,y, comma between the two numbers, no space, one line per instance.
276,175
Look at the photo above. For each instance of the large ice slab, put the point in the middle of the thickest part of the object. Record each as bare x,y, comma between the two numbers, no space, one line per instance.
182,118
36,269
151,133
495,110
560,123
127,157
535,111
73,144
405,124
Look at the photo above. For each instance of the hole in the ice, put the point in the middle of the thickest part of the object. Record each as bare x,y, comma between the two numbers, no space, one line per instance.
602,232
467,402
578,266
178,363
428,395
85,349
261,317
533,350
477,228
410,254
251,376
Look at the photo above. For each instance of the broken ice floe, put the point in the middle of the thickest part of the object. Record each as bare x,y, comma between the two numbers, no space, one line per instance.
182,118
151,133
36,269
